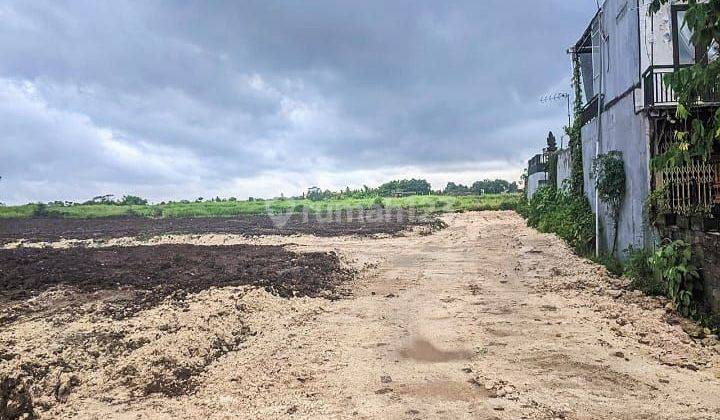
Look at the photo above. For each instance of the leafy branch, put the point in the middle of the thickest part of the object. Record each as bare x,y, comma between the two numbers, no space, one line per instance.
673,262
692,84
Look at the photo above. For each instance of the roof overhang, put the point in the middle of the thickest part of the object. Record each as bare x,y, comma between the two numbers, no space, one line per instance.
584,45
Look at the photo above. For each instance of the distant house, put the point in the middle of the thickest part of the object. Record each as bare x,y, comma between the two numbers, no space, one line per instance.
537,170
537,174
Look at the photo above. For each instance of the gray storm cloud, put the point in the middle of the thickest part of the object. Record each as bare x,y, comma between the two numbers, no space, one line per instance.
178,99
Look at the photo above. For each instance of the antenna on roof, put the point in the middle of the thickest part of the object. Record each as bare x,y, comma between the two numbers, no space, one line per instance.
554,97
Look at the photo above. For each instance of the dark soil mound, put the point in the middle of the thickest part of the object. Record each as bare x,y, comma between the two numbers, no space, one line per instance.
366,222
149,274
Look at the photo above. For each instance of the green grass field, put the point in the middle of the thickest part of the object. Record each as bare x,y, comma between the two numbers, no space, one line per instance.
424,203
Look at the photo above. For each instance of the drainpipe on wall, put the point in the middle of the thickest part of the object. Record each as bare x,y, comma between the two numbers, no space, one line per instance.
599,128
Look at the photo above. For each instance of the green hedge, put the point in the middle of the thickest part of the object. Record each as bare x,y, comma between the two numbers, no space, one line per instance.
556,211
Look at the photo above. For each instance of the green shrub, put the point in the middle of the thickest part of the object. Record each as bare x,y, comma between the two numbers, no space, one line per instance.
640,272
508,205
613,264
43,210
673,262
132,200
570,217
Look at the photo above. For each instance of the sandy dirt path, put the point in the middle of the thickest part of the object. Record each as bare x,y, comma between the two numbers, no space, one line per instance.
484,319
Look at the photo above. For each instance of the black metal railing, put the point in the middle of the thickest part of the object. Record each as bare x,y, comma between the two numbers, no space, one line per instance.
660,94
537,164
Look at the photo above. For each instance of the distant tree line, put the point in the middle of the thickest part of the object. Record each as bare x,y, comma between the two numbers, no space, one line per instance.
396,188
487,186
404,187
389,189
108,199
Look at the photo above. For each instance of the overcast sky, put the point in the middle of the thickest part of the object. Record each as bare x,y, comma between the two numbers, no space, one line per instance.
180,99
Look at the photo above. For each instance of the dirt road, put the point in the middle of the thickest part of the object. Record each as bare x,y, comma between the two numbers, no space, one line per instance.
484,319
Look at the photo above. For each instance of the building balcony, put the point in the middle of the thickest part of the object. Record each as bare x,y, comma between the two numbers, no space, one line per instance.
537,164
659,95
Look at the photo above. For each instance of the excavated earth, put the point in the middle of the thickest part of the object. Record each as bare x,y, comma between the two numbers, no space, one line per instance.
147,275
343,222
84,300
483,319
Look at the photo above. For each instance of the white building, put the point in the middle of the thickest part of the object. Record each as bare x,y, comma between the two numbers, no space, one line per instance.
537,174
623,56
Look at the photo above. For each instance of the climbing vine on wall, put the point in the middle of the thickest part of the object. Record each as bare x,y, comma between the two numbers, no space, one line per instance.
552,160
608,170
574,133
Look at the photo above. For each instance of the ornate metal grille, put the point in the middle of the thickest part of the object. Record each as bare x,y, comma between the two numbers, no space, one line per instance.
690,189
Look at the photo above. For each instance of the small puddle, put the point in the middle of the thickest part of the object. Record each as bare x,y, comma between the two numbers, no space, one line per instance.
424,351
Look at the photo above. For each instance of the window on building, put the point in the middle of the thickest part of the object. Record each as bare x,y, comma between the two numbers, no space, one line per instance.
684,47
685,52
589,63
586,69
596,55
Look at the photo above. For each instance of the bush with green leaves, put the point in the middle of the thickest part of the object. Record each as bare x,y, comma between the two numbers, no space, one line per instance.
640,272
414,186
673,263
44,210
568,216
493,186
701,133
40,210
613,264
132,200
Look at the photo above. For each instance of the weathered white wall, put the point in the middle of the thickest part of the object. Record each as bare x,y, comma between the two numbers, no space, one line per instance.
534,182
563,167
626,132
626,52
655,36
621,53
